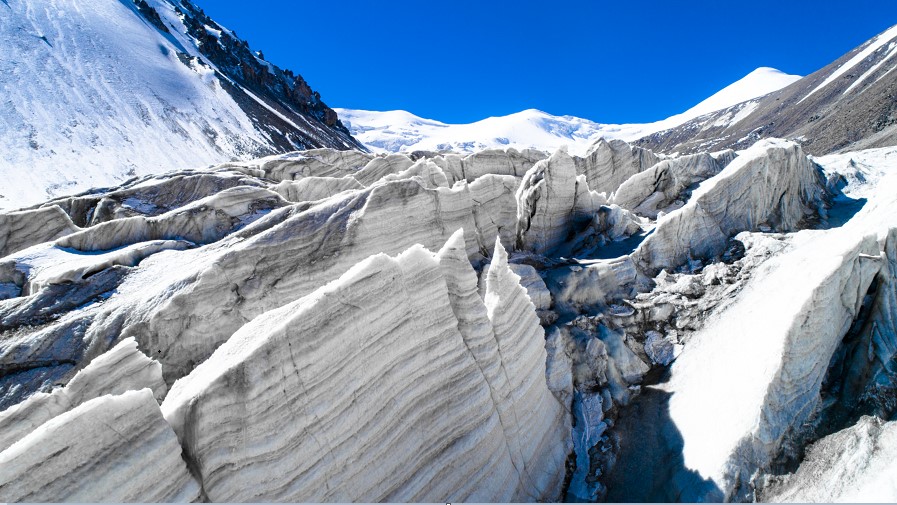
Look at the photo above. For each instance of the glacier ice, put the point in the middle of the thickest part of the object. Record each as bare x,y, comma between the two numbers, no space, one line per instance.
388,367
328,325
110,448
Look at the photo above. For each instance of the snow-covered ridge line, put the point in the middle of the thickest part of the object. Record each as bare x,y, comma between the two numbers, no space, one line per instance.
401,131
872,46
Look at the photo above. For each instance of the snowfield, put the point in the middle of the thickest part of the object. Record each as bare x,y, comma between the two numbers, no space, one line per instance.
95,94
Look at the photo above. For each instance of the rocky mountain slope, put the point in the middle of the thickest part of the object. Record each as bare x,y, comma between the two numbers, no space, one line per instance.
99,92
849,104
401,131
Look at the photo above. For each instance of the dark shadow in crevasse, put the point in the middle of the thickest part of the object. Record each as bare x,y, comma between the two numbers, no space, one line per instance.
650,465
842,210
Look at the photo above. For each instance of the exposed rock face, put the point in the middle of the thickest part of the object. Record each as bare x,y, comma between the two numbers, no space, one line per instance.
772,186
288,93
115,448
403,311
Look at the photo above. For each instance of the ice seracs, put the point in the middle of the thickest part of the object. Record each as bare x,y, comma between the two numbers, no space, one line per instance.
445,318
772,186
856,464
545,201
121,369
661,188
22,229
111,448
384,364
733,429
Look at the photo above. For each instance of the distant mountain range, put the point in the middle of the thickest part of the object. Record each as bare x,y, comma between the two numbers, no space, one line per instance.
401,131
125,88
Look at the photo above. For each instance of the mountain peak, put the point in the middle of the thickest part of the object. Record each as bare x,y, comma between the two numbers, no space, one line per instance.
402,131
756,83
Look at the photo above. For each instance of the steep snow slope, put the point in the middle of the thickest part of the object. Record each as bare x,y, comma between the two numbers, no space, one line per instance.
757,83
97,92
401,131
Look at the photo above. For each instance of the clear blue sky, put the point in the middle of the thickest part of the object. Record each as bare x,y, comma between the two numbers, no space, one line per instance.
623,61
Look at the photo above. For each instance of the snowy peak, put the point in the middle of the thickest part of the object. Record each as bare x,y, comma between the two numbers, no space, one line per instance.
759,82
401,131
848,104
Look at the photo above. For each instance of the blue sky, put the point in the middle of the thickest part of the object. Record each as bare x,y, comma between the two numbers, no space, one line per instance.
623,61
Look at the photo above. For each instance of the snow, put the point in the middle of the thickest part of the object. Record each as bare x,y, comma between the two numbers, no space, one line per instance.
401,131
737,115
755,368
107,98
874,45
759,82
890,54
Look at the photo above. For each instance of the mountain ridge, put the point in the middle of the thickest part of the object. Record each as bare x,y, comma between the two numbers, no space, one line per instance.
849,104
118,89
399,130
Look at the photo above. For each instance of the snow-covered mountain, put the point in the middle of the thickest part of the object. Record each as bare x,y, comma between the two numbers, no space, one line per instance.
97,92
848,104
401,131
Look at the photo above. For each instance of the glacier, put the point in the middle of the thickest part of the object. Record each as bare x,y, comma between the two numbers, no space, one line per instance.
497,326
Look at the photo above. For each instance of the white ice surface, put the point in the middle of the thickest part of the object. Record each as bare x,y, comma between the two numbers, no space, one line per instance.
755,369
